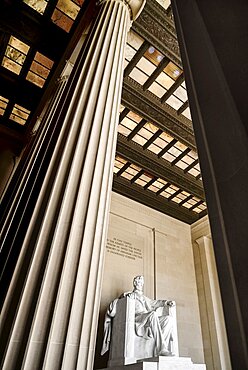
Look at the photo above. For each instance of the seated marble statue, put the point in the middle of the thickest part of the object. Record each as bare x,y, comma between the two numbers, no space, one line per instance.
150,319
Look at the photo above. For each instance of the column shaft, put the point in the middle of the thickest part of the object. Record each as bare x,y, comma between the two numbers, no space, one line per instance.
56,316
216,347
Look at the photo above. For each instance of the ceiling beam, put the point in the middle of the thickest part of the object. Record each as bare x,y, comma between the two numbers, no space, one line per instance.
20,91
193,164
136,129
136,58
164,62
158,167
173,88
133,191
183,107
152,138
154,25
145,104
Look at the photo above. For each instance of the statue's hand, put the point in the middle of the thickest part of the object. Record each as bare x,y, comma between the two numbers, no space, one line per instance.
128,294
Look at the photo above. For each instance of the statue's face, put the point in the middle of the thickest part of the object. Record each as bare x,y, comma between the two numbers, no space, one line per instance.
138,282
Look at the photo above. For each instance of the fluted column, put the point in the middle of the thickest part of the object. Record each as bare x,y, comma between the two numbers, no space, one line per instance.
56,316
216,346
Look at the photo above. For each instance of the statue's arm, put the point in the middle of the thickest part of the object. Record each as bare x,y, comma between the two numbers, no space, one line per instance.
110,314
161,303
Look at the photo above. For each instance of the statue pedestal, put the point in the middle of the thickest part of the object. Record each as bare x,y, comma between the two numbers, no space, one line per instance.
161,363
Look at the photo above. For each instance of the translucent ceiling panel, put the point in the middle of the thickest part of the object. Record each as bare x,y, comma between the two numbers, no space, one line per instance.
15,55
154,55
157,89
134,40
65,13
181,94
187,113
19,114
174,102
119,163
157,185
146,66
38,5
173,71
138,76
164,80
3,105
39,70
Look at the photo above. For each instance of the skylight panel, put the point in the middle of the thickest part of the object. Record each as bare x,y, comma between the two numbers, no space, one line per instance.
38,5
164,80
154,148
157,89
15,55
181,94
19,114
146,66
139,139
173,71
39,70
135,117
3,105
138,76
186,113
154,55
194,171
65,13
174,102
170,190
119,163
134,40
129,53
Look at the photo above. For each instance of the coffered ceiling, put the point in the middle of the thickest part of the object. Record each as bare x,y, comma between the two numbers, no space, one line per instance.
156,158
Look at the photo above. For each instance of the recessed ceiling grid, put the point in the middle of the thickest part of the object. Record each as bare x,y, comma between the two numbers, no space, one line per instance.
61,12
28,60
150,137
136,175
156,73
22,62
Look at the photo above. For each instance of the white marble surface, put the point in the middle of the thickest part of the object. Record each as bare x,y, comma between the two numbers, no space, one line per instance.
212,319
162,363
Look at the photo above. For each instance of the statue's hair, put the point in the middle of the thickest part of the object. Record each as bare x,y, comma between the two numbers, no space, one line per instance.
137,277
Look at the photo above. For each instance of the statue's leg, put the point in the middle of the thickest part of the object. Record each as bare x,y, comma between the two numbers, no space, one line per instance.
166,324
154,324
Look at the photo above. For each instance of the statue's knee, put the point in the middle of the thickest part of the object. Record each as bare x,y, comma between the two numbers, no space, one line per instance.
153,316
170,321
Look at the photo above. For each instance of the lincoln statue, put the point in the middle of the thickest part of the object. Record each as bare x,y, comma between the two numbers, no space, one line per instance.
152,319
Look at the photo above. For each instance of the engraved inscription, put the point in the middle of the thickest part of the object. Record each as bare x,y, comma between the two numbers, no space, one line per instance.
124,249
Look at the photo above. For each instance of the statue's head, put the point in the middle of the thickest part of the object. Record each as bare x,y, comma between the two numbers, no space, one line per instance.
138,282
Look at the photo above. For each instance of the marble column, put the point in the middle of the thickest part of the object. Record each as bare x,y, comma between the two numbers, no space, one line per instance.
212,37
55,321
216,346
